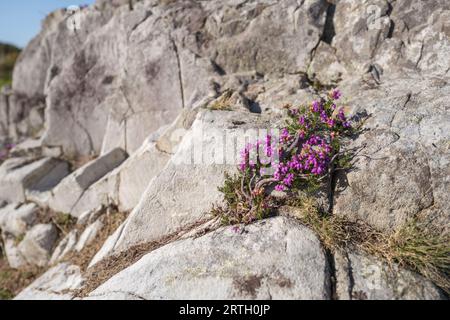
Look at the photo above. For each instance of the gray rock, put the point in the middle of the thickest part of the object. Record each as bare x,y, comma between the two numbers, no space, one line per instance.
13,255
37,245
19,175
58,283
66,245
124,185
17,219
184,192
404,171
174,70
325,67
68,192
89,234
273,259
360,277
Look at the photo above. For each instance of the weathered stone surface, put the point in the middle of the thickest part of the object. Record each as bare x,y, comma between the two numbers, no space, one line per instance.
57,283
38,243
13,255
273,259
176,69
68,192
404,171
88,235
124,185
360,277
326,67
65,246
19,175
184,192
16,219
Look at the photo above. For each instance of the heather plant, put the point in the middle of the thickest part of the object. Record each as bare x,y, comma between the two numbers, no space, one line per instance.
305,154
299,162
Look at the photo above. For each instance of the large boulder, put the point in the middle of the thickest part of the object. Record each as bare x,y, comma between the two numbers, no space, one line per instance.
144,73
185,190
272,259
402,170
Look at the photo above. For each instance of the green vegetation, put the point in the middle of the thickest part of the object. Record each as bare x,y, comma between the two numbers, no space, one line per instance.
8,57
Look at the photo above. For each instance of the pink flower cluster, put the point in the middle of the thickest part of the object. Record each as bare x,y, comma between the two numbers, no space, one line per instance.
313,131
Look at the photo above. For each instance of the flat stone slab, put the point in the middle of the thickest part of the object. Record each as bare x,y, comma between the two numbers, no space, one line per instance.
19,175
273,259
70,190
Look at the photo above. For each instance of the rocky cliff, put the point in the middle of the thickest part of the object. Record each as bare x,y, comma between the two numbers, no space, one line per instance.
109,104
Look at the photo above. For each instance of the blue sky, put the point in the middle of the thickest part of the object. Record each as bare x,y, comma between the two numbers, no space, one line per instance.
20,20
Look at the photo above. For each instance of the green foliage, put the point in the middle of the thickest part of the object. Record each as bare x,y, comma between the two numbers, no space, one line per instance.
63,221
8,57
239,206
302,158
422,249
5,294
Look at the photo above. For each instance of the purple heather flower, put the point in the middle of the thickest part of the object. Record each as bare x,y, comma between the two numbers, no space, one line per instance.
335,94
316,106
302,120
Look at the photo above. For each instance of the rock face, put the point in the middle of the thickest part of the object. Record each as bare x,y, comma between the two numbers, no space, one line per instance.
406,172
274,259
162,96
363,278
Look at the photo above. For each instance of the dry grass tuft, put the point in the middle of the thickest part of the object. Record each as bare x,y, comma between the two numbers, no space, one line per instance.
12,281
223,102
413,246
419,248
111,220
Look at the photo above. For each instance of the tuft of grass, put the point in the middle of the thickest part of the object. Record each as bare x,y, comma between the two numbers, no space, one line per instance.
111,220
64,222
335,232
19,239
223,102
412,246
417,247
